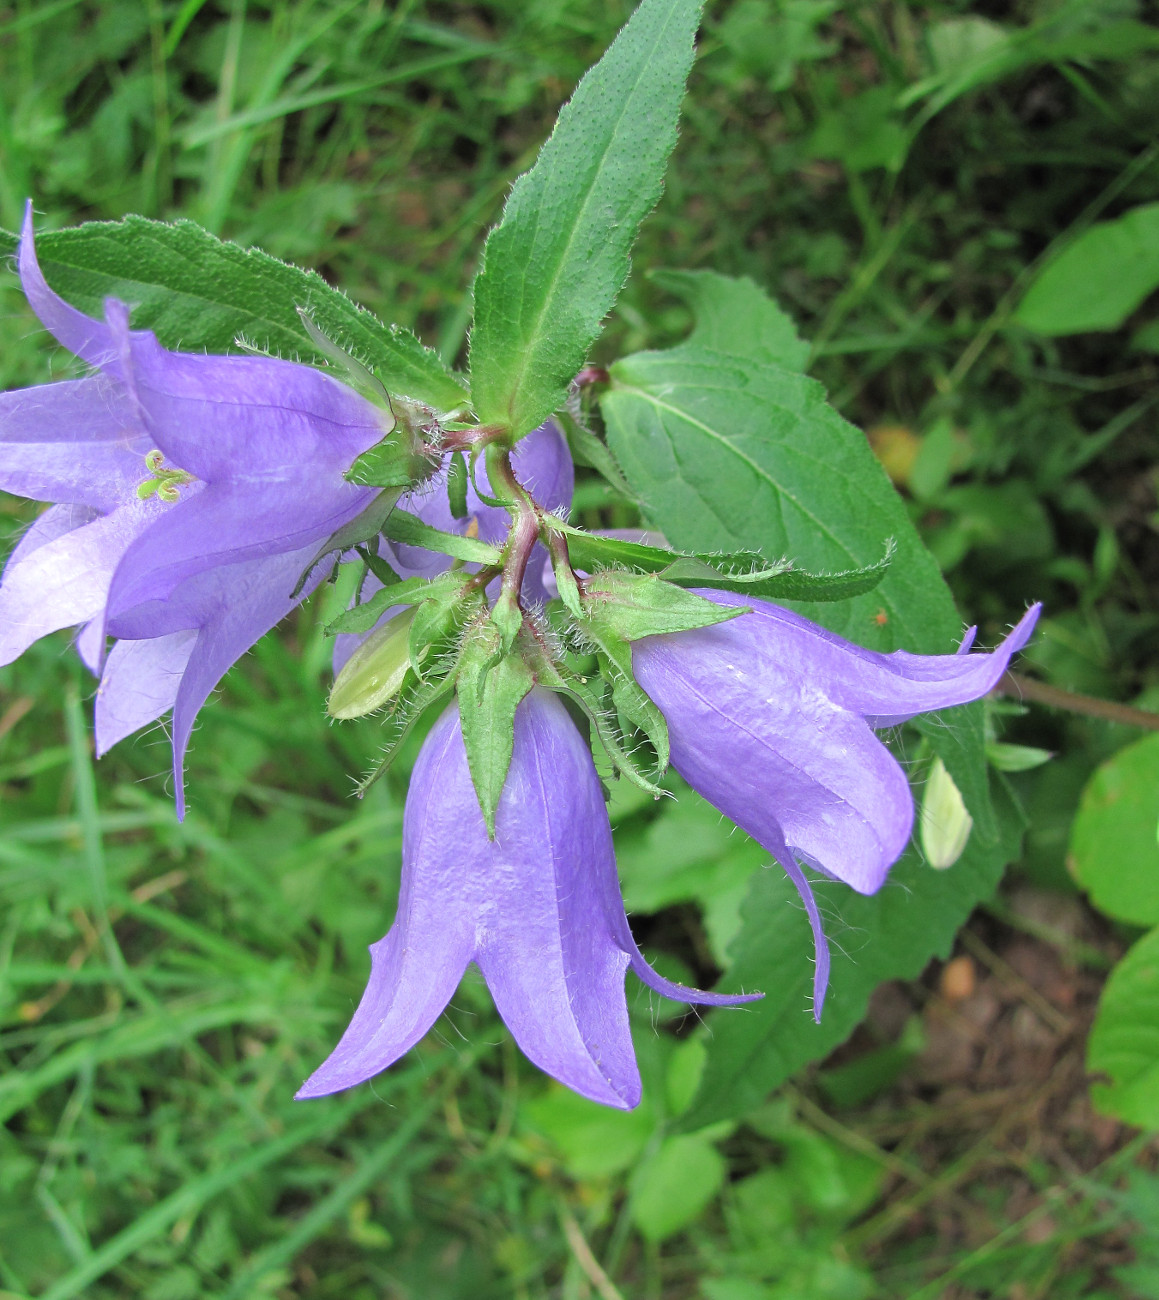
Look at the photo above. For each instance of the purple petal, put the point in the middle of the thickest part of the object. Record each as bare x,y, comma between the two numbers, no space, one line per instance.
548,942
73,442
227,523
885,688
759,740
53,523
231,418
90,645
406,994
416,968
252,598
139,684
538,909
65,581
89,339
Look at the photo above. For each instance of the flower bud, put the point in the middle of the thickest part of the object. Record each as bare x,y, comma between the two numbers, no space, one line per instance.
945,823
375,672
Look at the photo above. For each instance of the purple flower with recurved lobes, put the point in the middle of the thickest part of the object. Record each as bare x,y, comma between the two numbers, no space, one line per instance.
189,494
538,909
771,718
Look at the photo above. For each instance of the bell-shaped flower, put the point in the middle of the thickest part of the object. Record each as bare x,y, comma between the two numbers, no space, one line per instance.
538,909
771,718
542,463
189,494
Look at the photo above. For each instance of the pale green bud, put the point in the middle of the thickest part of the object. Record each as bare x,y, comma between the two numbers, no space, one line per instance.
375,672
945,823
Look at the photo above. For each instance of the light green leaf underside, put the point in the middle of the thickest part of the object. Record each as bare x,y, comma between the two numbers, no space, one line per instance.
553,266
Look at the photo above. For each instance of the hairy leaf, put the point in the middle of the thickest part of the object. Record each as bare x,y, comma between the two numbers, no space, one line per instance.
553,266
744,571
733,315
199,293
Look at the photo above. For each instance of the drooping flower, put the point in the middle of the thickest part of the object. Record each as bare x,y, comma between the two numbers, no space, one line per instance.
771,718
189,494
538,909
542,463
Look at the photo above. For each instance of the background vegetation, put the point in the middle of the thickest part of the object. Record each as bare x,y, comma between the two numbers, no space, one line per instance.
914,183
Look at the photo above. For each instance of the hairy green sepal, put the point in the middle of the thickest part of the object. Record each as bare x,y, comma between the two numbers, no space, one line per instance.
490,687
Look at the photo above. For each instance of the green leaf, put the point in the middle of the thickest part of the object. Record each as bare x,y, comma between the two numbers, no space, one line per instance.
553,266
736,317
457,485
671,1188
592,696
199,293
411,531
450,604
745,571
629,698
1124,1041
1114,850
593,1141
363,529
729,454
1096,282
587,449
489,693
891,935
779,581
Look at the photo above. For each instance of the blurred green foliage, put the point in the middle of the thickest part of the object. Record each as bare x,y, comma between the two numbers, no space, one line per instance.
923,189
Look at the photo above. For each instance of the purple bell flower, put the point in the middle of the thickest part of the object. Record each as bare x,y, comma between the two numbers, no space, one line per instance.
240,460
538,909
771,719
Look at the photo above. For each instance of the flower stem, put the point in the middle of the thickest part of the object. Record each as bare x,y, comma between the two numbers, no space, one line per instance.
1026,688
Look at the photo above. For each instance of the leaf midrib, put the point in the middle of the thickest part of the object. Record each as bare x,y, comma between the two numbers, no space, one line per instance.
536,334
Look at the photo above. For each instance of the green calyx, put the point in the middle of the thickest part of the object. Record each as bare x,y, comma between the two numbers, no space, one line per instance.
628,606
409,453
